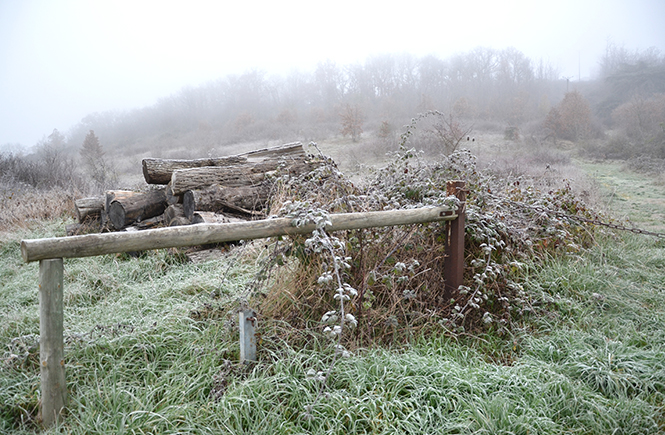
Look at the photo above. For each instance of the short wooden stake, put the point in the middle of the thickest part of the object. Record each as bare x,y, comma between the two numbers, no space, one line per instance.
51,342
454,259
247,318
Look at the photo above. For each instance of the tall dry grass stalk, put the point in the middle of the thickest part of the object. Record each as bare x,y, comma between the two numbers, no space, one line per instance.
21,206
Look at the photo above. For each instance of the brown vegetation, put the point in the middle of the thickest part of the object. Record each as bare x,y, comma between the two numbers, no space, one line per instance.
398,271
641,118
21,206
571,119
352,122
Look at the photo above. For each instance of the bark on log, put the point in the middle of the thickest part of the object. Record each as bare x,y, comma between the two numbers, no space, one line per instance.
159,171
136,207
112,195
151,223
208,217
245,199
89,208
202,234
183,180
245,174
170,197
175,215
188,204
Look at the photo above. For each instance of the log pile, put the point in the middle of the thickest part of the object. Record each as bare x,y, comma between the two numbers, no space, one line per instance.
184,192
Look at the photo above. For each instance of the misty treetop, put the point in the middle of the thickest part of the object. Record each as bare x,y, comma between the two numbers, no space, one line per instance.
485,87
99,171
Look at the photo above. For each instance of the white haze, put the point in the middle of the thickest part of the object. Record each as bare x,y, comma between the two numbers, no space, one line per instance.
61,60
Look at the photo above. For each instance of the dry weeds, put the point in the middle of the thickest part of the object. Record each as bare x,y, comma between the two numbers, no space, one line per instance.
21,206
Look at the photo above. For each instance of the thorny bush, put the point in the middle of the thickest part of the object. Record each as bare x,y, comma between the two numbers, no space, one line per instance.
396,273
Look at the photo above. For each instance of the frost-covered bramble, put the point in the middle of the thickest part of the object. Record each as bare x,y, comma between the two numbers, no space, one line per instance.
396,273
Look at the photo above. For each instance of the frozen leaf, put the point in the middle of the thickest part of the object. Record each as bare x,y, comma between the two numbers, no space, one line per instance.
330,316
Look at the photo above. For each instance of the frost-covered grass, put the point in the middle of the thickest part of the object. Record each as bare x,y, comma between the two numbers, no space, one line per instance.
151,347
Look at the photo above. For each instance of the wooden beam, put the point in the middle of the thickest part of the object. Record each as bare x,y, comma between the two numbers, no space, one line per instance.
202,234
51,342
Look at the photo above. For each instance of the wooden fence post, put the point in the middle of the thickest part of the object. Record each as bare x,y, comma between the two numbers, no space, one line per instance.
51,342
247,319
454,254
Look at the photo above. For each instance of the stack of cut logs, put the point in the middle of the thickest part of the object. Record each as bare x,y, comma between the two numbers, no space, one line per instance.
211,190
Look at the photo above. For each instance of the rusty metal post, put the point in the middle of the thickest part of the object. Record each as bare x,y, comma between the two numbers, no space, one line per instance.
247,318
51,342
454,254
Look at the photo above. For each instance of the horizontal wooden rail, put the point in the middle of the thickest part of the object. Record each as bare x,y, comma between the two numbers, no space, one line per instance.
51,251
201,234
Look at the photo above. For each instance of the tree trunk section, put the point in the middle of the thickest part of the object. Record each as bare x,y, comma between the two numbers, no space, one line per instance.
170,197
197,178
246,174
209,217
112,195
148,224
137,206
245,199
175,215
89,208
159,171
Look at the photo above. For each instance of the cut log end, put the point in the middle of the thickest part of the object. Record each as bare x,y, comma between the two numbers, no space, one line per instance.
135,207
117,215
147,174
174,215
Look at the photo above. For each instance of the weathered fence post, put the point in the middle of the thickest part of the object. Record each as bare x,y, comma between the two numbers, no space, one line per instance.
454,256
51,342
247,318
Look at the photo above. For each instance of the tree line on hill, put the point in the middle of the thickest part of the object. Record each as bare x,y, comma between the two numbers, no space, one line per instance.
493,89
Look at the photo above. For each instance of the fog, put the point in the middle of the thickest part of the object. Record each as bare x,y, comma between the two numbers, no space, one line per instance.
61,61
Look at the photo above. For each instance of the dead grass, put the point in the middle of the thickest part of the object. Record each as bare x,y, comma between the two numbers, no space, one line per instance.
21,206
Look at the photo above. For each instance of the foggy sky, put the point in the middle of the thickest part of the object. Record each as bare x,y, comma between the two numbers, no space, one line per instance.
61,60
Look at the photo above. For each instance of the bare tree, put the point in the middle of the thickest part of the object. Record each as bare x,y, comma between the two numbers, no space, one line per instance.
352,121
58,167
449,132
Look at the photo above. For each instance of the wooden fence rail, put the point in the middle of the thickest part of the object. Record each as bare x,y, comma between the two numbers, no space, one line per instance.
51,251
